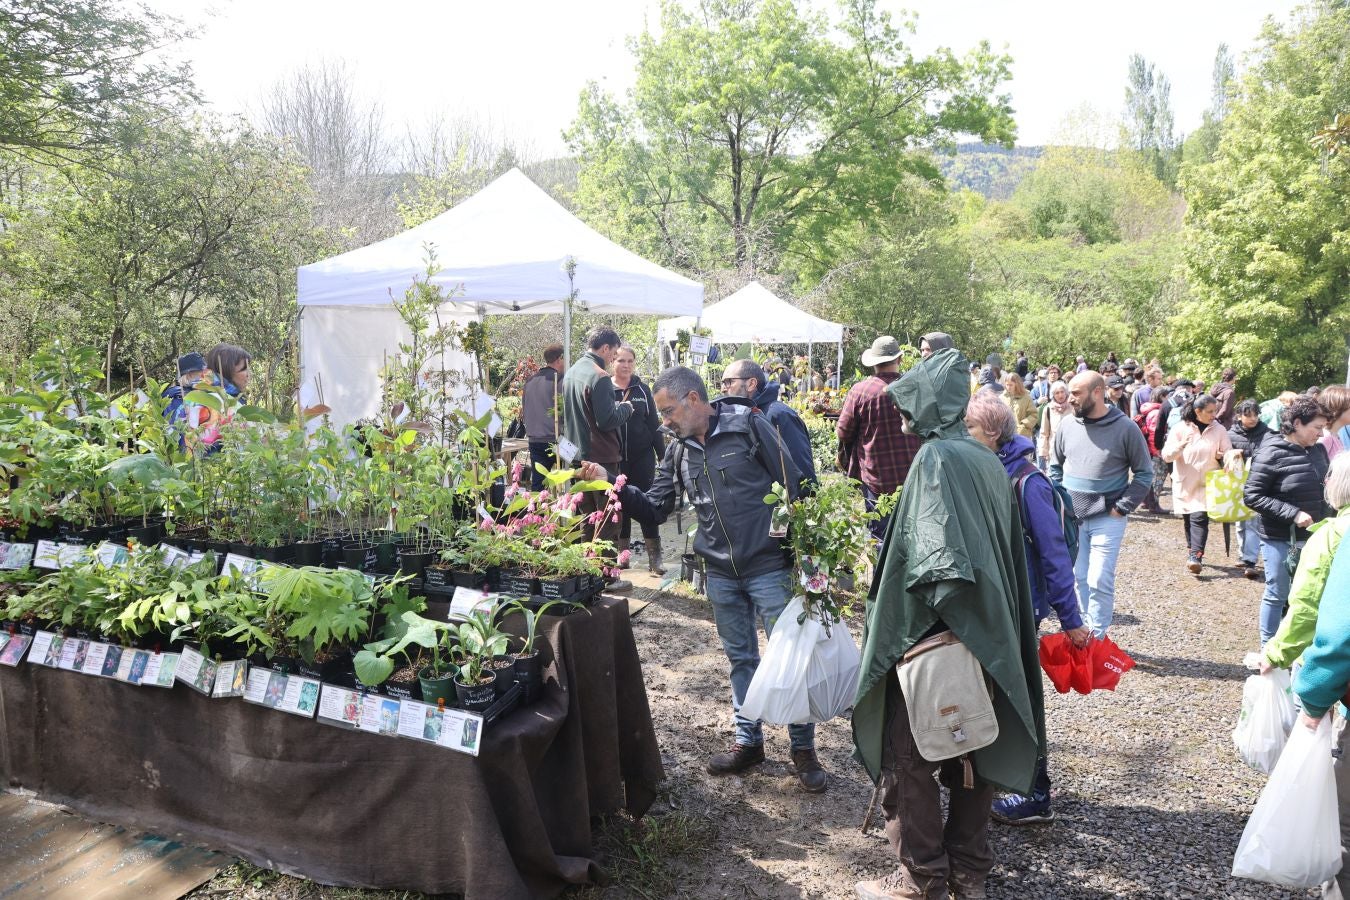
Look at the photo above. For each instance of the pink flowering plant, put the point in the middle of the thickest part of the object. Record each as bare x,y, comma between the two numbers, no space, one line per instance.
543,532
827,531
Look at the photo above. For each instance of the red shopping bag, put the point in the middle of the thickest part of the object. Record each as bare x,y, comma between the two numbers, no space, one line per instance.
1109,662
1059,659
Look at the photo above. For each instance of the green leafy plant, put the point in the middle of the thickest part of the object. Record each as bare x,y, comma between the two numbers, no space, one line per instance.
827,531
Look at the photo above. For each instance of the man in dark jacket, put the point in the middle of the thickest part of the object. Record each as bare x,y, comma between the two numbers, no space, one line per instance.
541,411
726,456
1247,435
744,378
1285,489
591,418
953,562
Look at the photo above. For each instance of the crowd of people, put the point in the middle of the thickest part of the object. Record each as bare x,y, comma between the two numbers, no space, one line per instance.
1018,487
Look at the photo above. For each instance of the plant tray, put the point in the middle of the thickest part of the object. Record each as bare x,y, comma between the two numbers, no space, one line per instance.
504,704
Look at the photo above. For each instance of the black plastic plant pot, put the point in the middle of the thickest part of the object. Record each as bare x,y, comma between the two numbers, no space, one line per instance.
219,548
476,697
472,580
530,673
414,564
361,557
88,536
497,494
337,669
559,588
434,689
511,581
279,553
309,553
386,558
332,551
146,536
402,690
688,566
504,675
437,577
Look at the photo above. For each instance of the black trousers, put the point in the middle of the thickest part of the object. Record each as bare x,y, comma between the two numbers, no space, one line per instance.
641,473
1197,531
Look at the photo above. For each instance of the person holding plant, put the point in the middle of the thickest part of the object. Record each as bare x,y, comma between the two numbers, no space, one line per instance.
641,445
230,363
951,577
1196,447
541,410
727,457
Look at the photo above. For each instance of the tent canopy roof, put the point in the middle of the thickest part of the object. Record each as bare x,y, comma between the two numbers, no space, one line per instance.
508,246
754,315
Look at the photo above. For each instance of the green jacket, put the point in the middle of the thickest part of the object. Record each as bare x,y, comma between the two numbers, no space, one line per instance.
591,419
1305,593
954,554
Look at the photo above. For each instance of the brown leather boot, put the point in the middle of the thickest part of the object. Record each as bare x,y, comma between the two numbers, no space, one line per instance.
654,557
809,771
737,758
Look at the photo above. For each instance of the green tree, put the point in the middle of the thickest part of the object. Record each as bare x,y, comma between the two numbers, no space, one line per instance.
755,129
1149,119
78,76
1267,241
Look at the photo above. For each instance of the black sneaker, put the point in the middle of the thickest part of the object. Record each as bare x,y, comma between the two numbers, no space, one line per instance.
737,758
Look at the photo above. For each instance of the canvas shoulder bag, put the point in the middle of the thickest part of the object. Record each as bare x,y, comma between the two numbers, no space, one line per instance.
946,693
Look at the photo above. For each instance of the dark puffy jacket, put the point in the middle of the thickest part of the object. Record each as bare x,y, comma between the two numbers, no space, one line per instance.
1287,479
1249,441
1048,564
726,479
640,438
790,425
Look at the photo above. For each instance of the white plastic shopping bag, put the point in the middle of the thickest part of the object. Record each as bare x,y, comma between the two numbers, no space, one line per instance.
808,673
1264,721
1293,838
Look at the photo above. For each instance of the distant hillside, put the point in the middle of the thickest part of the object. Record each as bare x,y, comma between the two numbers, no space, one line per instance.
989,169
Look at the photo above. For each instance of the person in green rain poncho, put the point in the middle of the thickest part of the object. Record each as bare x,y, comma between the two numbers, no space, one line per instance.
953,560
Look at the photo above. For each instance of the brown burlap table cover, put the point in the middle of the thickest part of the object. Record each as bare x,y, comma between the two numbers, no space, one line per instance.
346,807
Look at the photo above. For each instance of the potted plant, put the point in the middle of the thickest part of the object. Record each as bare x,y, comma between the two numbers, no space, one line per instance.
328,610
434,669
478,641
528,668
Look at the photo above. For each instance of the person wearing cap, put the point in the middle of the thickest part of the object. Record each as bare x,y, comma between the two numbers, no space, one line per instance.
873,446
192,371
992,373
1115,393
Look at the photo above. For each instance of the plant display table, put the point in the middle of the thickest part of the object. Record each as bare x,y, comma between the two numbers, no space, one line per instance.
351,808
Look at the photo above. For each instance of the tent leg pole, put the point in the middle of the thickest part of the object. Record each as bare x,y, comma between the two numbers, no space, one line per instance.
839,366
567,331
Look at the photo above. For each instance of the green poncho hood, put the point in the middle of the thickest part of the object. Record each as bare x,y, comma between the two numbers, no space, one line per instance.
953,553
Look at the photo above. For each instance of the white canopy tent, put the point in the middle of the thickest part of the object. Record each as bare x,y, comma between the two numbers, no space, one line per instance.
754,315
509,246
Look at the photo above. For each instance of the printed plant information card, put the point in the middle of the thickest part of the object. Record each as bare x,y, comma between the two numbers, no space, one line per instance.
13,650
131,668
231,679
379,715
159,670
94,658
196,671
339,706
460,730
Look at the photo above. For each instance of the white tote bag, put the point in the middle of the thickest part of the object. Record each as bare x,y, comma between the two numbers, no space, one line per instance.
808,673
1264,721
1293,838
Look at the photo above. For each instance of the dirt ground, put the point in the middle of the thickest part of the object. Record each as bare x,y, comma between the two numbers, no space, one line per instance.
1149,794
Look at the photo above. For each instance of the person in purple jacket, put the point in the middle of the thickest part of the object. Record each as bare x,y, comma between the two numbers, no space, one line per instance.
1049,566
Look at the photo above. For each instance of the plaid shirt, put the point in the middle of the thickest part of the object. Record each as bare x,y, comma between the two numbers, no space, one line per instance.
874,448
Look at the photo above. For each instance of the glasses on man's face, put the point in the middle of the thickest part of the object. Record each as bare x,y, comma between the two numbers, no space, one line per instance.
726,382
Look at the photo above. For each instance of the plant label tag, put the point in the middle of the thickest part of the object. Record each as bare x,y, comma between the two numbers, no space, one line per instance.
94,658
567,451
73,653
173,557
379,715
110,554
196,671
231,679
196,557
339,706
699,344
461,731
46,649
243,566
16,556
264,687
419,721
159,670
71,554
301,697
14,648
112,661
466,601
131,668
47,555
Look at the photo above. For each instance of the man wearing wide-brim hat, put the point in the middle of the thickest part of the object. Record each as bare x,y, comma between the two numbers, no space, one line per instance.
873,446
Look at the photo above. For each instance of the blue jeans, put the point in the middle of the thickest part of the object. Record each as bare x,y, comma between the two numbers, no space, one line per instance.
1276,596
877,527
540,452
1249,541
737,603
1099,539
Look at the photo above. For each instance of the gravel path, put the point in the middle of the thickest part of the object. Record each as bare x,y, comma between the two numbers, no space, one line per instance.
1150,796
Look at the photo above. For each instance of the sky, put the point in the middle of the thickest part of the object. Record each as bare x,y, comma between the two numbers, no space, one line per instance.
519,66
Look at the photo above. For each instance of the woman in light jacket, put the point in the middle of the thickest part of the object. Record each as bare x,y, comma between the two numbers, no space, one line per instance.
1196,446
1019,402
1053,413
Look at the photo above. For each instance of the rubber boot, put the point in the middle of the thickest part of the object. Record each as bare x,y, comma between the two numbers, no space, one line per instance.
654,557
